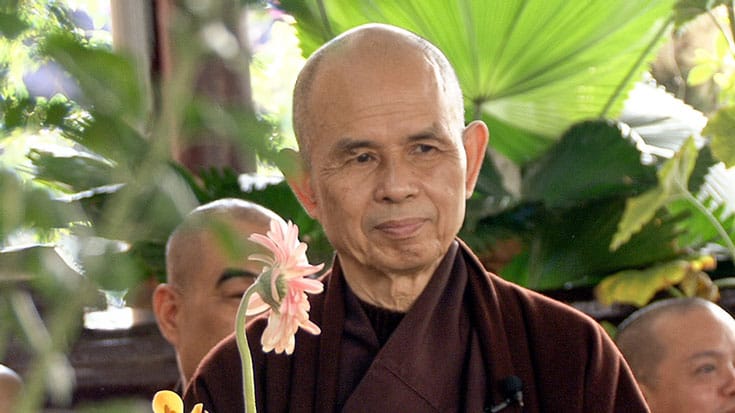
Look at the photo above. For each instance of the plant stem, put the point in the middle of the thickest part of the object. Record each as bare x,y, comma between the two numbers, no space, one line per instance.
713,220
728,282
675,292
325,19
248,383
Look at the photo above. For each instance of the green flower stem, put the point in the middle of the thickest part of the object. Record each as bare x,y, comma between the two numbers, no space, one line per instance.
248,382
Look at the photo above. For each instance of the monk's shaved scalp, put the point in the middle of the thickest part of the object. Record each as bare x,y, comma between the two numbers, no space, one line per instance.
214,219
371,43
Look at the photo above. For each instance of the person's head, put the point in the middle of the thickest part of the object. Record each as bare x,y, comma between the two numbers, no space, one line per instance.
207,271
11,386
387,162
682,353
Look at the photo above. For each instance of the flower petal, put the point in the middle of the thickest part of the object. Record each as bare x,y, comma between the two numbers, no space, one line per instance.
198,408
166,401
256,305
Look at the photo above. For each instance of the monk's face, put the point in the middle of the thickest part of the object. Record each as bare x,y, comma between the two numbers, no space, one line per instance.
208,302
389,175
697,372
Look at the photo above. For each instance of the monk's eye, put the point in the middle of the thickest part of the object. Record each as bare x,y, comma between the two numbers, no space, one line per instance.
425,148
363,157
706,368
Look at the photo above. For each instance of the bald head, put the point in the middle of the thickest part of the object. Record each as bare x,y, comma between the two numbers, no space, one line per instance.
225,222
330,70
642,336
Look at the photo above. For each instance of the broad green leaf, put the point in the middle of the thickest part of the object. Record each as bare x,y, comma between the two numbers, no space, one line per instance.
603,161
673,180
570,247
638,287
538,65
721,127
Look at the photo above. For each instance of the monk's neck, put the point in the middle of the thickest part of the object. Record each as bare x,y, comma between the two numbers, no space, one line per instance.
391,291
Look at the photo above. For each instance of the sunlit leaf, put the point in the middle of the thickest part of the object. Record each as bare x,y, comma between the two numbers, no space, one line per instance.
701,74
699,284
537,66
638,287
673,180
722,129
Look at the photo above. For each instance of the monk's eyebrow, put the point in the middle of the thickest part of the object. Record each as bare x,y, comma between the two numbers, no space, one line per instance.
347,145
231,273
704,354
423,136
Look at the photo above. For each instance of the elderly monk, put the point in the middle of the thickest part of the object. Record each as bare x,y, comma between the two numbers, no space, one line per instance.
207,271
411,321
682,351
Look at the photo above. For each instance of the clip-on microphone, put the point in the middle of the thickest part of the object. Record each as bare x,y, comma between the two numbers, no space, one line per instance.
513,391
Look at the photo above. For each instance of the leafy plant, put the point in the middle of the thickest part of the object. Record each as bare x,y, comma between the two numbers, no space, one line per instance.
89,190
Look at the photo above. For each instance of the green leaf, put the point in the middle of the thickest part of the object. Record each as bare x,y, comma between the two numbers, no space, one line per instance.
113,269
109,81
537,65
27,264
638,287
58,109
111,138
701,74
673,180
570,247
721,127
24,206
79,173
603,161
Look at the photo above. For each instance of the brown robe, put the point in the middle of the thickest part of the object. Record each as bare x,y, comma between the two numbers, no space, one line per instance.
465,333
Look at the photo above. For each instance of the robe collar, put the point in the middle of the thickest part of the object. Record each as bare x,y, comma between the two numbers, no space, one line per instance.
451,296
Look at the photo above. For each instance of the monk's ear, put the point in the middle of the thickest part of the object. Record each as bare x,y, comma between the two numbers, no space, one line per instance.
166,308
474,138
292,166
